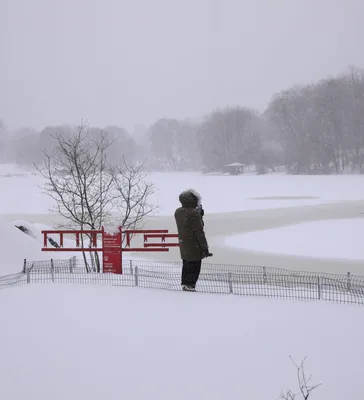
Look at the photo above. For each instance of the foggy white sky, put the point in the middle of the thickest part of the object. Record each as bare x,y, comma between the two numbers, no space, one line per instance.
126,62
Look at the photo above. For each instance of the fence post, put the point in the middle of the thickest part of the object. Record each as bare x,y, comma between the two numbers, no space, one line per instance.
24,265
265,274
72,263
28,274
348,282
52,269
319,287
230,283
136,277
131,266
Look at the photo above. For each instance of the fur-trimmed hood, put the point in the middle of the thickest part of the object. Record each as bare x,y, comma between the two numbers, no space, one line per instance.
190,198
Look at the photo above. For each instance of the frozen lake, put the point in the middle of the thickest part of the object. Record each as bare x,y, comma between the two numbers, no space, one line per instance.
21,192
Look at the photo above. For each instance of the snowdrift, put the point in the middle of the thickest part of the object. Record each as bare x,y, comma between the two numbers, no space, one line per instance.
79,342
16,245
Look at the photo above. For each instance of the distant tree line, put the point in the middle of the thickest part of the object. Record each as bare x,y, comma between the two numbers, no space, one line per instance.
309,129
320,127
26,146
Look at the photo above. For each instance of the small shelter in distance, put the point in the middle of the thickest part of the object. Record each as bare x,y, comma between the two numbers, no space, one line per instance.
234,169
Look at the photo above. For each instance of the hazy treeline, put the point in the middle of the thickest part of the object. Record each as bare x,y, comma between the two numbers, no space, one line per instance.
320,127
26,146
315,128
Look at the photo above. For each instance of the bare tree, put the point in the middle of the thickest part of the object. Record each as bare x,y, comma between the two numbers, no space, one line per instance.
355,116
304,384
132,194
233,134
86,188
163,135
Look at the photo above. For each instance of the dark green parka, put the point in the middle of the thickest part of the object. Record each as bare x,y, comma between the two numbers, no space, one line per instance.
192,240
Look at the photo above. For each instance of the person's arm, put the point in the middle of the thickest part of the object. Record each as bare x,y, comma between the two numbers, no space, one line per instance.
196,226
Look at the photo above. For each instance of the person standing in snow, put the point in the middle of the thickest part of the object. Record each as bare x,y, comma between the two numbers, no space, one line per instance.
192,240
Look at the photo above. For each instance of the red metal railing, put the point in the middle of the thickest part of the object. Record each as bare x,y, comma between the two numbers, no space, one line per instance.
114,249
147,234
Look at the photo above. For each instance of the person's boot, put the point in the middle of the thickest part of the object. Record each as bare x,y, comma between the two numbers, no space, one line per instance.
188,288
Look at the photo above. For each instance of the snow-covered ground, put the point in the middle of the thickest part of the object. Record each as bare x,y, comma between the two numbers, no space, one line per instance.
73,342
335,239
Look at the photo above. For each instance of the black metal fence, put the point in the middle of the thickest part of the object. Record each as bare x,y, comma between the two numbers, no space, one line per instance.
214,278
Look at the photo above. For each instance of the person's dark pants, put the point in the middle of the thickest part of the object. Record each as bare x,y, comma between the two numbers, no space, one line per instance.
190,272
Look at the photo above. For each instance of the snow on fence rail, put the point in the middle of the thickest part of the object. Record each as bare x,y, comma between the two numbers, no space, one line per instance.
214,278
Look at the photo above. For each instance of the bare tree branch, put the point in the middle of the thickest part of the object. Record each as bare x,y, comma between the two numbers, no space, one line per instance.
304,384
132,194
